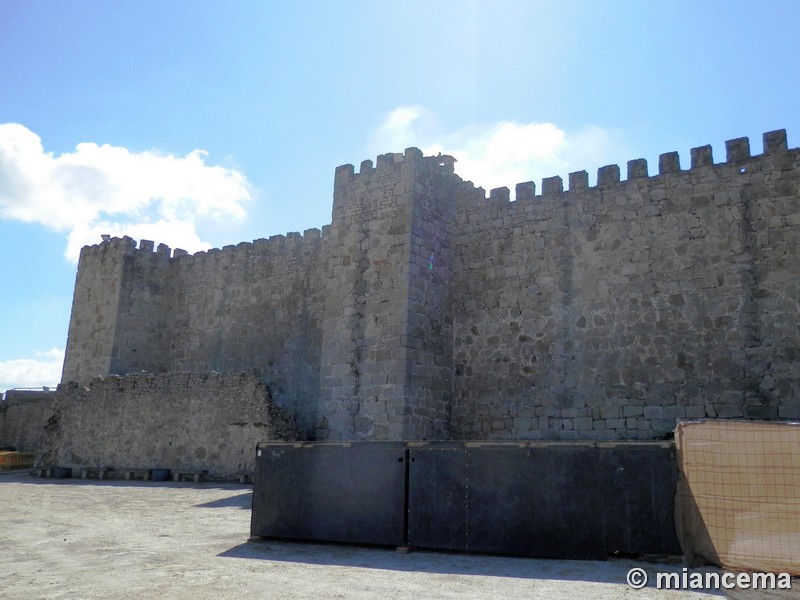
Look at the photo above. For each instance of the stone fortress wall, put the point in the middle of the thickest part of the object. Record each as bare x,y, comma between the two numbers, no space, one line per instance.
427,310
246,307
610,311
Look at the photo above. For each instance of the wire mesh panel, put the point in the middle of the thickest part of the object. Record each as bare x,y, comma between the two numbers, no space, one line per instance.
738,501
351,493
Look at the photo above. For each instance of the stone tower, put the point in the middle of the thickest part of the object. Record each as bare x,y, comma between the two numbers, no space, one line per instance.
386,371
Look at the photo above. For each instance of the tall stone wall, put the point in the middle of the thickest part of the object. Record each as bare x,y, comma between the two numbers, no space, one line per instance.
255,306
143,325
610,311
427,310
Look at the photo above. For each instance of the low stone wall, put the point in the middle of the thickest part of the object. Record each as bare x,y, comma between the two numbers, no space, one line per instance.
23,416
183,421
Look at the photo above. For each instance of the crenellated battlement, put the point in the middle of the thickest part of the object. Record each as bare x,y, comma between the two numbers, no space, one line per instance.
148,248
774,143
608,176
275,245
391,162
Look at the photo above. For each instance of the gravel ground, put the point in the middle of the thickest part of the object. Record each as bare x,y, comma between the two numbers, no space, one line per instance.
124,539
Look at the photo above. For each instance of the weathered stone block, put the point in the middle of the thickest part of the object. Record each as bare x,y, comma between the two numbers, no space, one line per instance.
669,162
697,411
737,150
632,411
775,142
501,194
552,185
653,412
525,191
608,175
702,157
579,180
522,424
637,168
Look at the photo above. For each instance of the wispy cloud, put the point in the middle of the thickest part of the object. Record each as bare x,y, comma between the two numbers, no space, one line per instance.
45,369
504,153
109,189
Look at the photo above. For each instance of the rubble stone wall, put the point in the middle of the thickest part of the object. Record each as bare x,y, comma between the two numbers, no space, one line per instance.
608,312
23,415
179,421
429,310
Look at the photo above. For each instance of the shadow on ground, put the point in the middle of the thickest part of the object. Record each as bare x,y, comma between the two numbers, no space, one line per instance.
25,477
445,563
244,501
613,571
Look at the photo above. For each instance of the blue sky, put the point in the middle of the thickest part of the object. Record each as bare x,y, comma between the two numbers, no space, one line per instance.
201,124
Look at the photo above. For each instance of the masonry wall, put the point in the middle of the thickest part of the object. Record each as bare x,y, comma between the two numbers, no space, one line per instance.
608,312
255,306
428,311
144,320
188,421
23,417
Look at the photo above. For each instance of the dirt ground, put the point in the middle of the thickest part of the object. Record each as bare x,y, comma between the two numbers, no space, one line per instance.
131,539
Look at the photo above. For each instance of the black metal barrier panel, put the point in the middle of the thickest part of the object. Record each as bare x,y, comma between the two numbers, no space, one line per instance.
549,500
351,493
554,499
638,483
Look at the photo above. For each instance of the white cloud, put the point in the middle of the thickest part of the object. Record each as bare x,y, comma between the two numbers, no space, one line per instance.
401,128
505,153
44,370
109,189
